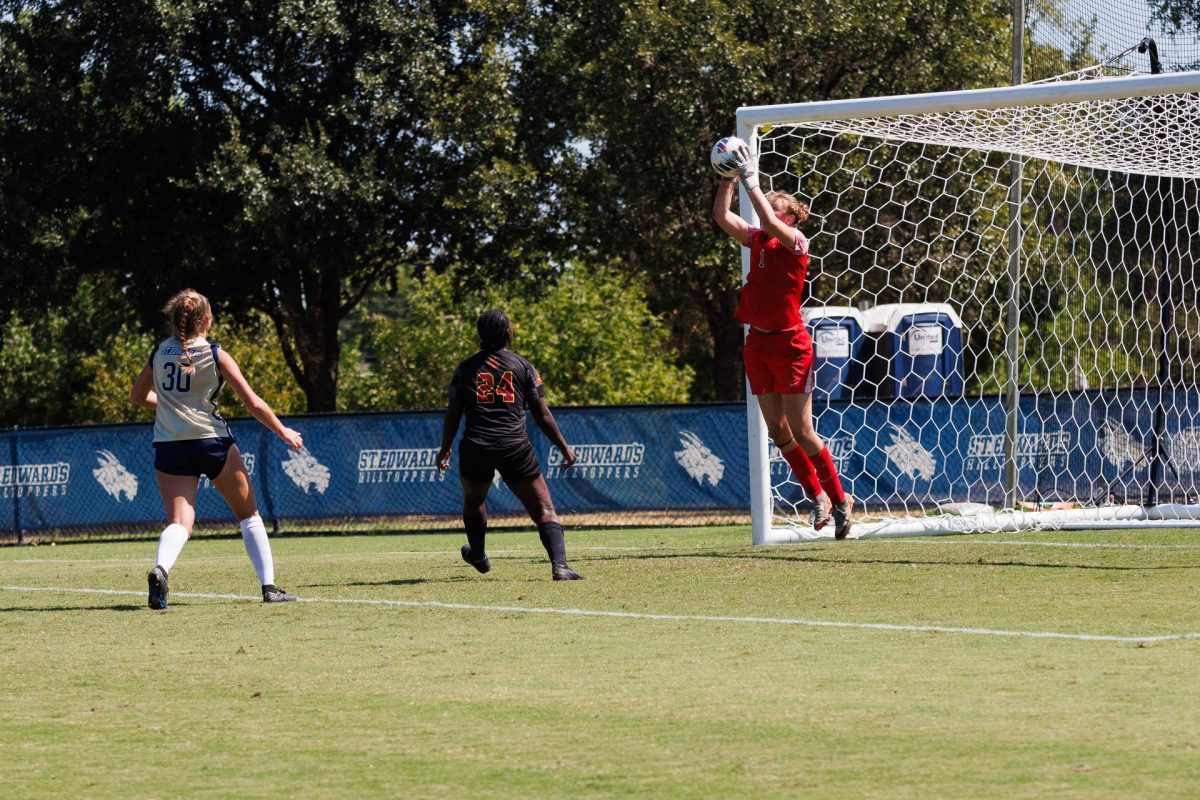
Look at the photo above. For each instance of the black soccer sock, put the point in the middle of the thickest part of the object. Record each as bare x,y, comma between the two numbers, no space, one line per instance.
551,534
476,530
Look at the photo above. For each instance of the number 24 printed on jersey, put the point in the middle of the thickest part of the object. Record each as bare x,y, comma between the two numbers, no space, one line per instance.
487,388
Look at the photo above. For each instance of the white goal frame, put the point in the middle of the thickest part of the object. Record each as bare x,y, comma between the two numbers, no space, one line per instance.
751,121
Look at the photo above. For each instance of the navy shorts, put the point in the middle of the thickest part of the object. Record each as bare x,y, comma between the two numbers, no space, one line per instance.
193,456
515,463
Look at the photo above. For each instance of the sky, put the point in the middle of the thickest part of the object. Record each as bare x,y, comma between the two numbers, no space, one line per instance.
1123,23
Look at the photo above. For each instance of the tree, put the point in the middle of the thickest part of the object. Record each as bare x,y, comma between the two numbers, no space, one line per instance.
590,334
49,361
279,156
30,372
649,86
594,337
286,156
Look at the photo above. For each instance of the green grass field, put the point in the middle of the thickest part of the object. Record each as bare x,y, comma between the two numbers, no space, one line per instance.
688,665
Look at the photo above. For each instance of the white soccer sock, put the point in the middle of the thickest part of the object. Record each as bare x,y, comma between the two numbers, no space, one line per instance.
254,536
170,545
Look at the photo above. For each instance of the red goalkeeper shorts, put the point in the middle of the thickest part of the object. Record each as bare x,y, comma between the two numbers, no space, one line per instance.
779,362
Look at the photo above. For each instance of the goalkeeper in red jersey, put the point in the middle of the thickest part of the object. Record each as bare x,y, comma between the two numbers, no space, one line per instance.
779,352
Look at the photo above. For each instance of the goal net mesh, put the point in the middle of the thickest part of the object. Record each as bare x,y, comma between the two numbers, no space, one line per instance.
911,304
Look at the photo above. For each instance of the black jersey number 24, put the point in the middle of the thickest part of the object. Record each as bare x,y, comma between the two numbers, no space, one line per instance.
487,388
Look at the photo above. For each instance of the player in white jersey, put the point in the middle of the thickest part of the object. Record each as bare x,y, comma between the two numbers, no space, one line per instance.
180,382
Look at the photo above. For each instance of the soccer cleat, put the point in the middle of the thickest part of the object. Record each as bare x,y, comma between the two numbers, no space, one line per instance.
562,572
820,511
157,579
273,594
483,565
841,517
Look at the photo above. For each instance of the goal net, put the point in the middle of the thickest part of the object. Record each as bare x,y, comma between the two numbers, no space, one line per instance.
1003,303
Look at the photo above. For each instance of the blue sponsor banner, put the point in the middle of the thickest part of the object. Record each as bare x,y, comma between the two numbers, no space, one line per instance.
691,457
1080,446
363,465
1074,446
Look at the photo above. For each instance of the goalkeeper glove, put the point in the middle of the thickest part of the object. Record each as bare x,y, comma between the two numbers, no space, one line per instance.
746,164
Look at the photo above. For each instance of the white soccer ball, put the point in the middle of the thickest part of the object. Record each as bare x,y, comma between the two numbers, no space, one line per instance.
722,156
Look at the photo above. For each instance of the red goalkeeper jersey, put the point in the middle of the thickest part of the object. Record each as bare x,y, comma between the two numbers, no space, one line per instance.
770,298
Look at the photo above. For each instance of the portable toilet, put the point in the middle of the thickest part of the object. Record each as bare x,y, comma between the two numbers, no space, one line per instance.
917,350
837,337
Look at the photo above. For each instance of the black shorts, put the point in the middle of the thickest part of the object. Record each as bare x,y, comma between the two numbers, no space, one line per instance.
515,463
193,456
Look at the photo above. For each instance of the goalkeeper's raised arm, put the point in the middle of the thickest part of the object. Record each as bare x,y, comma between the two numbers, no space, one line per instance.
744,167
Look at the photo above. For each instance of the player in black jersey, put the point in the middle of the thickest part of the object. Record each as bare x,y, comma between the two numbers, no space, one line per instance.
493,388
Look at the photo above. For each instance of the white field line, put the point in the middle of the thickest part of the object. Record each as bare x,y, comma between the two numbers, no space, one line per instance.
452,554
1030,543
518,551
582,612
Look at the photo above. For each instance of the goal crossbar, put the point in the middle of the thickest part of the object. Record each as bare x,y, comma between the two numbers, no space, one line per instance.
749,117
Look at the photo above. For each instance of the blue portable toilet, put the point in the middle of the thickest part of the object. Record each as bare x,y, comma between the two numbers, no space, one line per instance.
837,336
918,349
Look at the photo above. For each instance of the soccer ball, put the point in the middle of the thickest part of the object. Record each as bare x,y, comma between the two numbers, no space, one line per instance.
722,156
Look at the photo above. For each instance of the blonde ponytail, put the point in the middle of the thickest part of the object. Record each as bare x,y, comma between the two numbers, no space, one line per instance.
188,312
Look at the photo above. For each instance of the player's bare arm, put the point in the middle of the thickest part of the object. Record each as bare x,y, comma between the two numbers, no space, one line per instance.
726,220
770,222
545,420
142,393
454,412
257,407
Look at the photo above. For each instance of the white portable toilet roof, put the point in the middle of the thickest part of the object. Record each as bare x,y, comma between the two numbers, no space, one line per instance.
814,313
888,316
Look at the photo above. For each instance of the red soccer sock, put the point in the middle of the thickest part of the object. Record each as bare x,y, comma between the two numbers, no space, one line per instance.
802,468
827,473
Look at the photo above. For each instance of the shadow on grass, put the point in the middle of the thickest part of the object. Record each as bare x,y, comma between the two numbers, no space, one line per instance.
823,558
122,607
392,582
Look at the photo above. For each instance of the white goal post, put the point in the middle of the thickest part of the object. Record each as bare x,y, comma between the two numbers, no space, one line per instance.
1003,295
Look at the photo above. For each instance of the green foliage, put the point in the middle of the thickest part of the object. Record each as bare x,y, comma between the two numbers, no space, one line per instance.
416,350
32,367
74,363
1048,22
595,341
108,373
284,157
254,346
1180,18
640,193
591,335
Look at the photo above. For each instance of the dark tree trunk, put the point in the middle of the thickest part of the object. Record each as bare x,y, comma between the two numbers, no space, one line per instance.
320,386
729,379
308,333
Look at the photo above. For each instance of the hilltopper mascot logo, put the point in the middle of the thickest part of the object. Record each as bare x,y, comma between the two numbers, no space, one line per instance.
698,461
1184,448
909,456
1119,447
305,471
114,478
